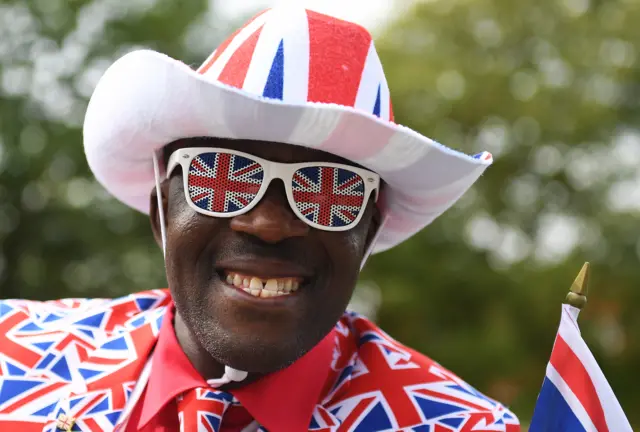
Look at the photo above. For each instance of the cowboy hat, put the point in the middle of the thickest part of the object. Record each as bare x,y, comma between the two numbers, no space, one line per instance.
289,75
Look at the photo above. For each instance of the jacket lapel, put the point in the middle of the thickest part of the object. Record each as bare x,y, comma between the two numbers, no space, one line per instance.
108,376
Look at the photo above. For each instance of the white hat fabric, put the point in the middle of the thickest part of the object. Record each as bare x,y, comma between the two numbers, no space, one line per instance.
290,75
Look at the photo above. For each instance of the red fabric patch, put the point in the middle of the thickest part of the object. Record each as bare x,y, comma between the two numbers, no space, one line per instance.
236,69
338,51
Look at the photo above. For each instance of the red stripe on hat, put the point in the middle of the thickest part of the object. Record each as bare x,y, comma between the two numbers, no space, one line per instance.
573,372
205,66
337,53
390,110
235,71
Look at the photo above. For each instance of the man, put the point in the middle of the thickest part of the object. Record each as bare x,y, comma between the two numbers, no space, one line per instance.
277,170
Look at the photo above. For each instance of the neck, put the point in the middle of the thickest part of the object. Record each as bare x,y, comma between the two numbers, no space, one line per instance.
202,361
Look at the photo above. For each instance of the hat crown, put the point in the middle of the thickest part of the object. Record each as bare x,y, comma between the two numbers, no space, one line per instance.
300,56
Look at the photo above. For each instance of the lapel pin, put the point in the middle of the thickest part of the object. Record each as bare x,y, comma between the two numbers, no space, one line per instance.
65,423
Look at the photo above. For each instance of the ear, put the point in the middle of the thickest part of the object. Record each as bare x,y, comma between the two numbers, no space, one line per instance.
154,214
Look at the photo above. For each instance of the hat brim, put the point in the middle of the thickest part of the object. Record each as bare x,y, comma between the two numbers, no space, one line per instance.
146,100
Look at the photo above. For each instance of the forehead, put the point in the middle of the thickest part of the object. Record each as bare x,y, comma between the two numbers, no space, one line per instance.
273,151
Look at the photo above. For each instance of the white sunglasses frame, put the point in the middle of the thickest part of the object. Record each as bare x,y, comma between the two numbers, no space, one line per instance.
272,170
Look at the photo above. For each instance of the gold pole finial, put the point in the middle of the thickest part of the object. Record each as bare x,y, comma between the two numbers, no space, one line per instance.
577,296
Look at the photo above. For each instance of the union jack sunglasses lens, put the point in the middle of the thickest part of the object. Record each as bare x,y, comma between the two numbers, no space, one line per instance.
220,183
223,182
328,196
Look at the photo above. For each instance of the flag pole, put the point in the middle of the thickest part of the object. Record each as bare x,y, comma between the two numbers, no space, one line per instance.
577,296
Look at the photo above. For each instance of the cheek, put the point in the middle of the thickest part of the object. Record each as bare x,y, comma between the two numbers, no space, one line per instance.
188,235
346,251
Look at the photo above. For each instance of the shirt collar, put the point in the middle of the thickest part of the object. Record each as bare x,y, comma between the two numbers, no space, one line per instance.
264,398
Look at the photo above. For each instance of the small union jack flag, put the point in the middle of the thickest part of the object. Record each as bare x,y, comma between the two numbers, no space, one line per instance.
223,182
328,196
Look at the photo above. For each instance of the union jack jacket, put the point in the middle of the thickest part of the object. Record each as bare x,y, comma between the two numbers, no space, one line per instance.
82,358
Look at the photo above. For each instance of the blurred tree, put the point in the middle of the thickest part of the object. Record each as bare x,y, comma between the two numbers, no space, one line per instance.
549,87
60,233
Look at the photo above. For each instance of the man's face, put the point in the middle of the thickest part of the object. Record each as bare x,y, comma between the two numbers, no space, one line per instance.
205,254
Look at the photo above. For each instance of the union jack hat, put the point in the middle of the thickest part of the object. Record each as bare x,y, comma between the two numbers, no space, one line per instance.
289,75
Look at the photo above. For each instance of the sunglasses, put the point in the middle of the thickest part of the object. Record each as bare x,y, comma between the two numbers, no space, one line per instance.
227,183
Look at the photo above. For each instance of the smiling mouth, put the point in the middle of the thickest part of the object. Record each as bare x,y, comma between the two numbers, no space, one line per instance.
263,288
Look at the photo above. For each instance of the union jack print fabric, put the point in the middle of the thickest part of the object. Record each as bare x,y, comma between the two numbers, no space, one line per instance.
74,359
328,196
202,409
223,182
289,54
81,359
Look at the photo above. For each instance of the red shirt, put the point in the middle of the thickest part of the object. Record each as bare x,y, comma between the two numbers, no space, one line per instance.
264,400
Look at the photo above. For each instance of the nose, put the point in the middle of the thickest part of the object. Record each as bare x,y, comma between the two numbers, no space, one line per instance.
272,220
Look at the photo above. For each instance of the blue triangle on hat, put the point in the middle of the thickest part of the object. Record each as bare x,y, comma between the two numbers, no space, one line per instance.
274,88
376,107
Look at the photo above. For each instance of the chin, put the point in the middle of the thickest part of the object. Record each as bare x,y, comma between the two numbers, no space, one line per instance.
255,354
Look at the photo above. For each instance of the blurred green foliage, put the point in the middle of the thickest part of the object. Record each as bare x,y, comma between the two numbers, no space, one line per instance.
550,87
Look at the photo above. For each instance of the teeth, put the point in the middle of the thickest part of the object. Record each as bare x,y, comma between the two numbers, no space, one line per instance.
263,288
255,284
266,294
287,285
271,285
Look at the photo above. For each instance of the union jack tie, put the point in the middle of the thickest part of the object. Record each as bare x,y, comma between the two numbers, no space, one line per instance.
201,409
